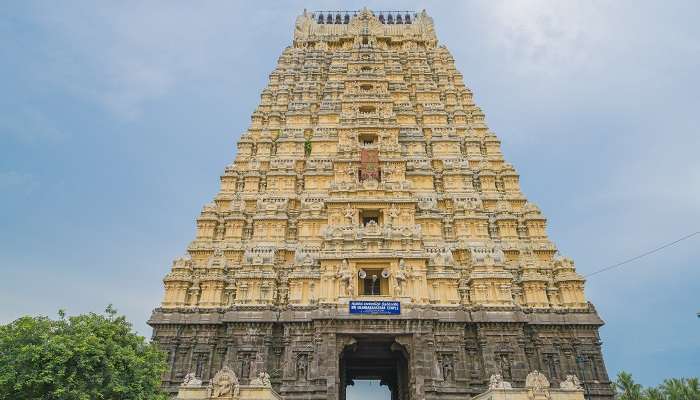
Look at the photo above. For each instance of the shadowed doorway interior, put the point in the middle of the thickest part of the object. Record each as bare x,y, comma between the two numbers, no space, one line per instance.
374,367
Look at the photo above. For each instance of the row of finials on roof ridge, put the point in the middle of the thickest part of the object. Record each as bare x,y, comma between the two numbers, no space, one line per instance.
385,17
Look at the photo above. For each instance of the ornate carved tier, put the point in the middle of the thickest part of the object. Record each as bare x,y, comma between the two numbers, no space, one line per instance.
369,211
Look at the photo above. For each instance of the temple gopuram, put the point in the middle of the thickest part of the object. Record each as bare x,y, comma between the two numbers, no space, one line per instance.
369,228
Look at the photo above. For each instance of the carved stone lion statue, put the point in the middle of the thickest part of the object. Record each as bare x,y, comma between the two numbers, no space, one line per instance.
191,380
536,381
570,383
224,383
496,382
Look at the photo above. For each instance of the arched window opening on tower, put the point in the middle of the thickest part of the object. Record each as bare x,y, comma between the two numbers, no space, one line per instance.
374,282
370,216
367,139
367,109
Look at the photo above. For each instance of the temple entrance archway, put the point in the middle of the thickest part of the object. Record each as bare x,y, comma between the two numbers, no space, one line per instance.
379,358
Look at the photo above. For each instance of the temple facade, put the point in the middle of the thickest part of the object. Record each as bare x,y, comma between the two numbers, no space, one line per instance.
370,228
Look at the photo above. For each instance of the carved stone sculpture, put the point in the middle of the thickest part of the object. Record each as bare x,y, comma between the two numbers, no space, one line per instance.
191,380
302,366
225,383
350,214
345,276
447,368
263,379
400,276
570,383
393,214
497,382
536,381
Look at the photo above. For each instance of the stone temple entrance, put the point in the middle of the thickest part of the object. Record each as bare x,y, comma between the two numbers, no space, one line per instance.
375,357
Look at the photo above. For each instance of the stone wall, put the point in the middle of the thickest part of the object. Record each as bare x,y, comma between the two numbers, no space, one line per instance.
450,355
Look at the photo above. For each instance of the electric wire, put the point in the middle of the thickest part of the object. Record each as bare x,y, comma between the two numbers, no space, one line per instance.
629,260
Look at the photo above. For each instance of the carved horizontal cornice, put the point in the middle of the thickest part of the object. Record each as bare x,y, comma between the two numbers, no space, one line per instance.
339,316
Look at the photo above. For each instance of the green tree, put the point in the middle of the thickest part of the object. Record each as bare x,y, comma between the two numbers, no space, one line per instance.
670,389
84,357
673,389
694,388
627,388
653,394
680,389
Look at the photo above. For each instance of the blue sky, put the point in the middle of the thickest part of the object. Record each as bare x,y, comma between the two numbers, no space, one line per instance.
118,118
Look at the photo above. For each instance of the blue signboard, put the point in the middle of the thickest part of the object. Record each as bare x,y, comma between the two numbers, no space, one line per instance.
375,307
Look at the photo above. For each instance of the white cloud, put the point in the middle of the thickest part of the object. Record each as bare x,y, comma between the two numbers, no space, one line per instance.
125,54
544,36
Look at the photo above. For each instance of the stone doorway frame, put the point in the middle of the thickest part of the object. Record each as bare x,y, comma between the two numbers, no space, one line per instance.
399,383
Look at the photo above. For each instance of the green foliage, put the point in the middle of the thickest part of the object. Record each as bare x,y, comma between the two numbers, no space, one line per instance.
307,147
85,357
670,389
627,388
653,394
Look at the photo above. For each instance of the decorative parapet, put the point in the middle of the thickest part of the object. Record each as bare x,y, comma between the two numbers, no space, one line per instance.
225,386
536,388
326,26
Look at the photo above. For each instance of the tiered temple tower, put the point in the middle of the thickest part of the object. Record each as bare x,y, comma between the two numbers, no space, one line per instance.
370,228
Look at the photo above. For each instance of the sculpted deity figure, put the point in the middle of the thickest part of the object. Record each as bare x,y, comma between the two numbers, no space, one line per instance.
570,383
224,383
350,214
505,365
447,369
393,214
191,380
230,292
352,173
302,366
497,382
536,381
263,379
401,277
345,277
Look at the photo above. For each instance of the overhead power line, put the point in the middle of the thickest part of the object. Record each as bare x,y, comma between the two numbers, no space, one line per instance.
608,268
